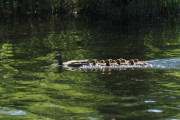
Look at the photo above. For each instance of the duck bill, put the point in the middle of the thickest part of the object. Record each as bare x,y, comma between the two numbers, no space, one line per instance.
53,59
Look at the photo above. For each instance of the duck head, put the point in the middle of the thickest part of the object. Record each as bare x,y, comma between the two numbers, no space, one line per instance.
59,58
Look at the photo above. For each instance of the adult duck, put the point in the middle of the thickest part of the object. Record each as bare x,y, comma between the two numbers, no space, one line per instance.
73,63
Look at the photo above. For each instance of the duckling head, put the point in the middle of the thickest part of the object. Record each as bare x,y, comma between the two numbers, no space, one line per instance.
131,62
120,58
113,61
107,63
94,61
136,60
123,60
109,60
102,61
118,61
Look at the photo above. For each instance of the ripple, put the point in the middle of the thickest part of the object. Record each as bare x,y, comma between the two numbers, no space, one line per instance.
155,110
149,101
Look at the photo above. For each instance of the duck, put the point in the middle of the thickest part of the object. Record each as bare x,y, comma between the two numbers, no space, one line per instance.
73,63
136,61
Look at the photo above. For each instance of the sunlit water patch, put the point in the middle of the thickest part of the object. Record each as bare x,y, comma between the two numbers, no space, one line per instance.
12,112
149,101
155,110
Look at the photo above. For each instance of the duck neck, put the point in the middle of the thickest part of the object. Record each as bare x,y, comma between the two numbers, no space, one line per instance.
60,61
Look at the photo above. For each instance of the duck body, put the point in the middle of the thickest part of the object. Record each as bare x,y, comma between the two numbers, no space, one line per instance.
76,63
73,63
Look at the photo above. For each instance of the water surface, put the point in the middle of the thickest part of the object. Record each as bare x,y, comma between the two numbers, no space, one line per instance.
32,87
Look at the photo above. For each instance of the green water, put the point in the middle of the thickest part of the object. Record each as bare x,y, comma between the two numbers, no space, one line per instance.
32,88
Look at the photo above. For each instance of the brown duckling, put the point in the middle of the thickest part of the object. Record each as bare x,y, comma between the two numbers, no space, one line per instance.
139,63
112,63
102,63
109,60
131,62
136,60
119,59
119,62
123,60
94,62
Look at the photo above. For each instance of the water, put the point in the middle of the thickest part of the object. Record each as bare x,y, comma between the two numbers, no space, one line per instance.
34,87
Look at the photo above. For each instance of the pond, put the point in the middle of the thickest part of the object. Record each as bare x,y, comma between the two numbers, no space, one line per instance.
34,87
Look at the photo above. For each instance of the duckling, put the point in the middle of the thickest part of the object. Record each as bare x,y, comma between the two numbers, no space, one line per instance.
139,63
94,61
123,60
107,62
119,62
112,63
74,63
102,63
131,62
119,59
136,60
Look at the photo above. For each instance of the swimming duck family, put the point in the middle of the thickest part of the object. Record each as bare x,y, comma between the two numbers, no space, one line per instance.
94,62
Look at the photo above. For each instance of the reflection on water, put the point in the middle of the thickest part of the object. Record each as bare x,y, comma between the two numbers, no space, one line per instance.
32,88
